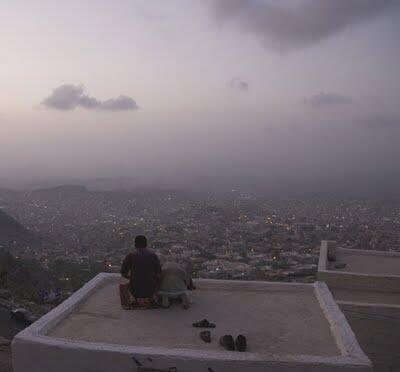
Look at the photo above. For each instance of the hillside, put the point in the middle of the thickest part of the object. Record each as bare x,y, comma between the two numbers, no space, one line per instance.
59,192
24,279
13,233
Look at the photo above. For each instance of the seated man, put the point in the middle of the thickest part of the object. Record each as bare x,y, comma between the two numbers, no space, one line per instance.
174,284
142,268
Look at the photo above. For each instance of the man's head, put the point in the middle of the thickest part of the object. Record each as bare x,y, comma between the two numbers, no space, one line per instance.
140,241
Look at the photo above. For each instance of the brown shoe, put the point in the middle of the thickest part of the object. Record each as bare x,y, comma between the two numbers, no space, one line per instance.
206,336
241,343
227,342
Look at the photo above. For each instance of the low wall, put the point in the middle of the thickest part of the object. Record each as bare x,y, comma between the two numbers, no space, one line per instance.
364,282
377,328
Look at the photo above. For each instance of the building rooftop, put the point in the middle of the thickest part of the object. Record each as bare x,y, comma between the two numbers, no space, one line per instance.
367,262
367,290
356,275
283,319
298,326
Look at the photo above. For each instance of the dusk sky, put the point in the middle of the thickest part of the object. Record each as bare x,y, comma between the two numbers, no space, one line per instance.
179,88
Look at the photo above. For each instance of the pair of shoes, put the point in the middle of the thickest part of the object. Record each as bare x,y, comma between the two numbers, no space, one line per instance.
206,336
203,324
229,344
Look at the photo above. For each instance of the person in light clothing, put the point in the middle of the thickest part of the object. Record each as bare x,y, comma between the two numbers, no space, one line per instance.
175,282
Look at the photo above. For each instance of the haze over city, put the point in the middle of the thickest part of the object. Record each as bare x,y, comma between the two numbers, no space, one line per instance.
262,95
199,185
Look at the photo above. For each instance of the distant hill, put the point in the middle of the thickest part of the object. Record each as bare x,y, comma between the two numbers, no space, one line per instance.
59,194
13,233
60,191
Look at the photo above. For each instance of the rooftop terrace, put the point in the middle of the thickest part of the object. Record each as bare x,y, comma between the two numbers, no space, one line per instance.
367,262
279,320
368,276
295,326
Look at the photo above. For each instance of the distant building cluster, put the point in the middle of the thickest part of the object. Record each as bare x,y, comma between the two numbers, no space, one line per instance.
232,236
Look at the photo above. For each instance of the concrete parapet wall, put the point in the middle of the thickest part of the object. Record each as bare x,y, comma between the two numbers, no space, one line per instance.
379,283
377,328
323,257
56,357
370,252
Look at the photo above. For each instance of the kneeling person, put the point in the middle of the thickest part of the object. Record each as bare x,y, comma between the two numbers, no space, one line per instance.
143,270
174,284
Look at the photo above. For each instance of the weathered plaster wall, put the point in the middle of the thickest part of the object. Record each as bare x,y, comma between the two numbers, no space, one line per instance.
53,358
364,282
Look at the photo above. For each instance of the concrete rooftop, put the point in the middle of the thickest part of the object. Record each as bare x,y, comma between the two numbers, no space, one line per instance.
280,319
289,327
367,262
367,276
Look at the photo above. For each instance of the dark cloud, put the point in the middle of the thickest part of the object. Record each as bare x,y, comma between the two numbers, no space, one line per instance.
120,103
65,97
381,122
239,84
286,25
323,99
68,97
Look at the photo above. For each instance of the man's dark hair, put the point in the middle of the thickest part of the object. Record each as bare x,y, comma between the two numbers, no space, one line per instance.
140,241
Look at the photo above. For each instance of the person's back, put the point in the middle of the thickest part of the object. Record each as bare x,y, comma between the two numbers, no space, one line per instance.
174,284
174,278
143,269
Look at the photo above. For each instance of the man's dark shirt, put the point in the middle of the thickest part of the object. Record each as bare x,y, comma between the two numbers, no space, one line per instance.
145,272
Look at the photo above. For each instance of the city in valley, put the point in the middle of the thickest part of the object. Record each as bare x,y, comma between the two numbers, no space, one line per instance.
76,233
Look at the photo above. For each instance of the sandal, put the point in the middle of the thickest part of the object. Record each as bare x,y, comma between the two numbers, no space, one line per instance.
203,324
206,336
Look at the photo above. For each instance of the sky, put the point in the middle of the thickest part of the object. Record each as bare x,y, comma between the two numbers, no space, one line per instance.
185,92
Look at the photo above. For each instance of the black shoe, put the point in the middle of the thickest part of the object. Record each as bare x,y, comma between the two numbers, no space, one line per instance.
227,342
206,336
203,324
241,343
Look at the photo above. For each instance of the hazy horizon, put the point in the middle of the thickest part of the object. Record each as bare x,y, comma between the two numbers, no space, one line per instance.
249,93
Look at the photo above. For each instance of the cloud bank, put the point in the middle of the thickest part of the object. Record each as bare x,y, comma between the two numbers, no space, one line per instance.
68,97
381,122
286,25
324,99
238,84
